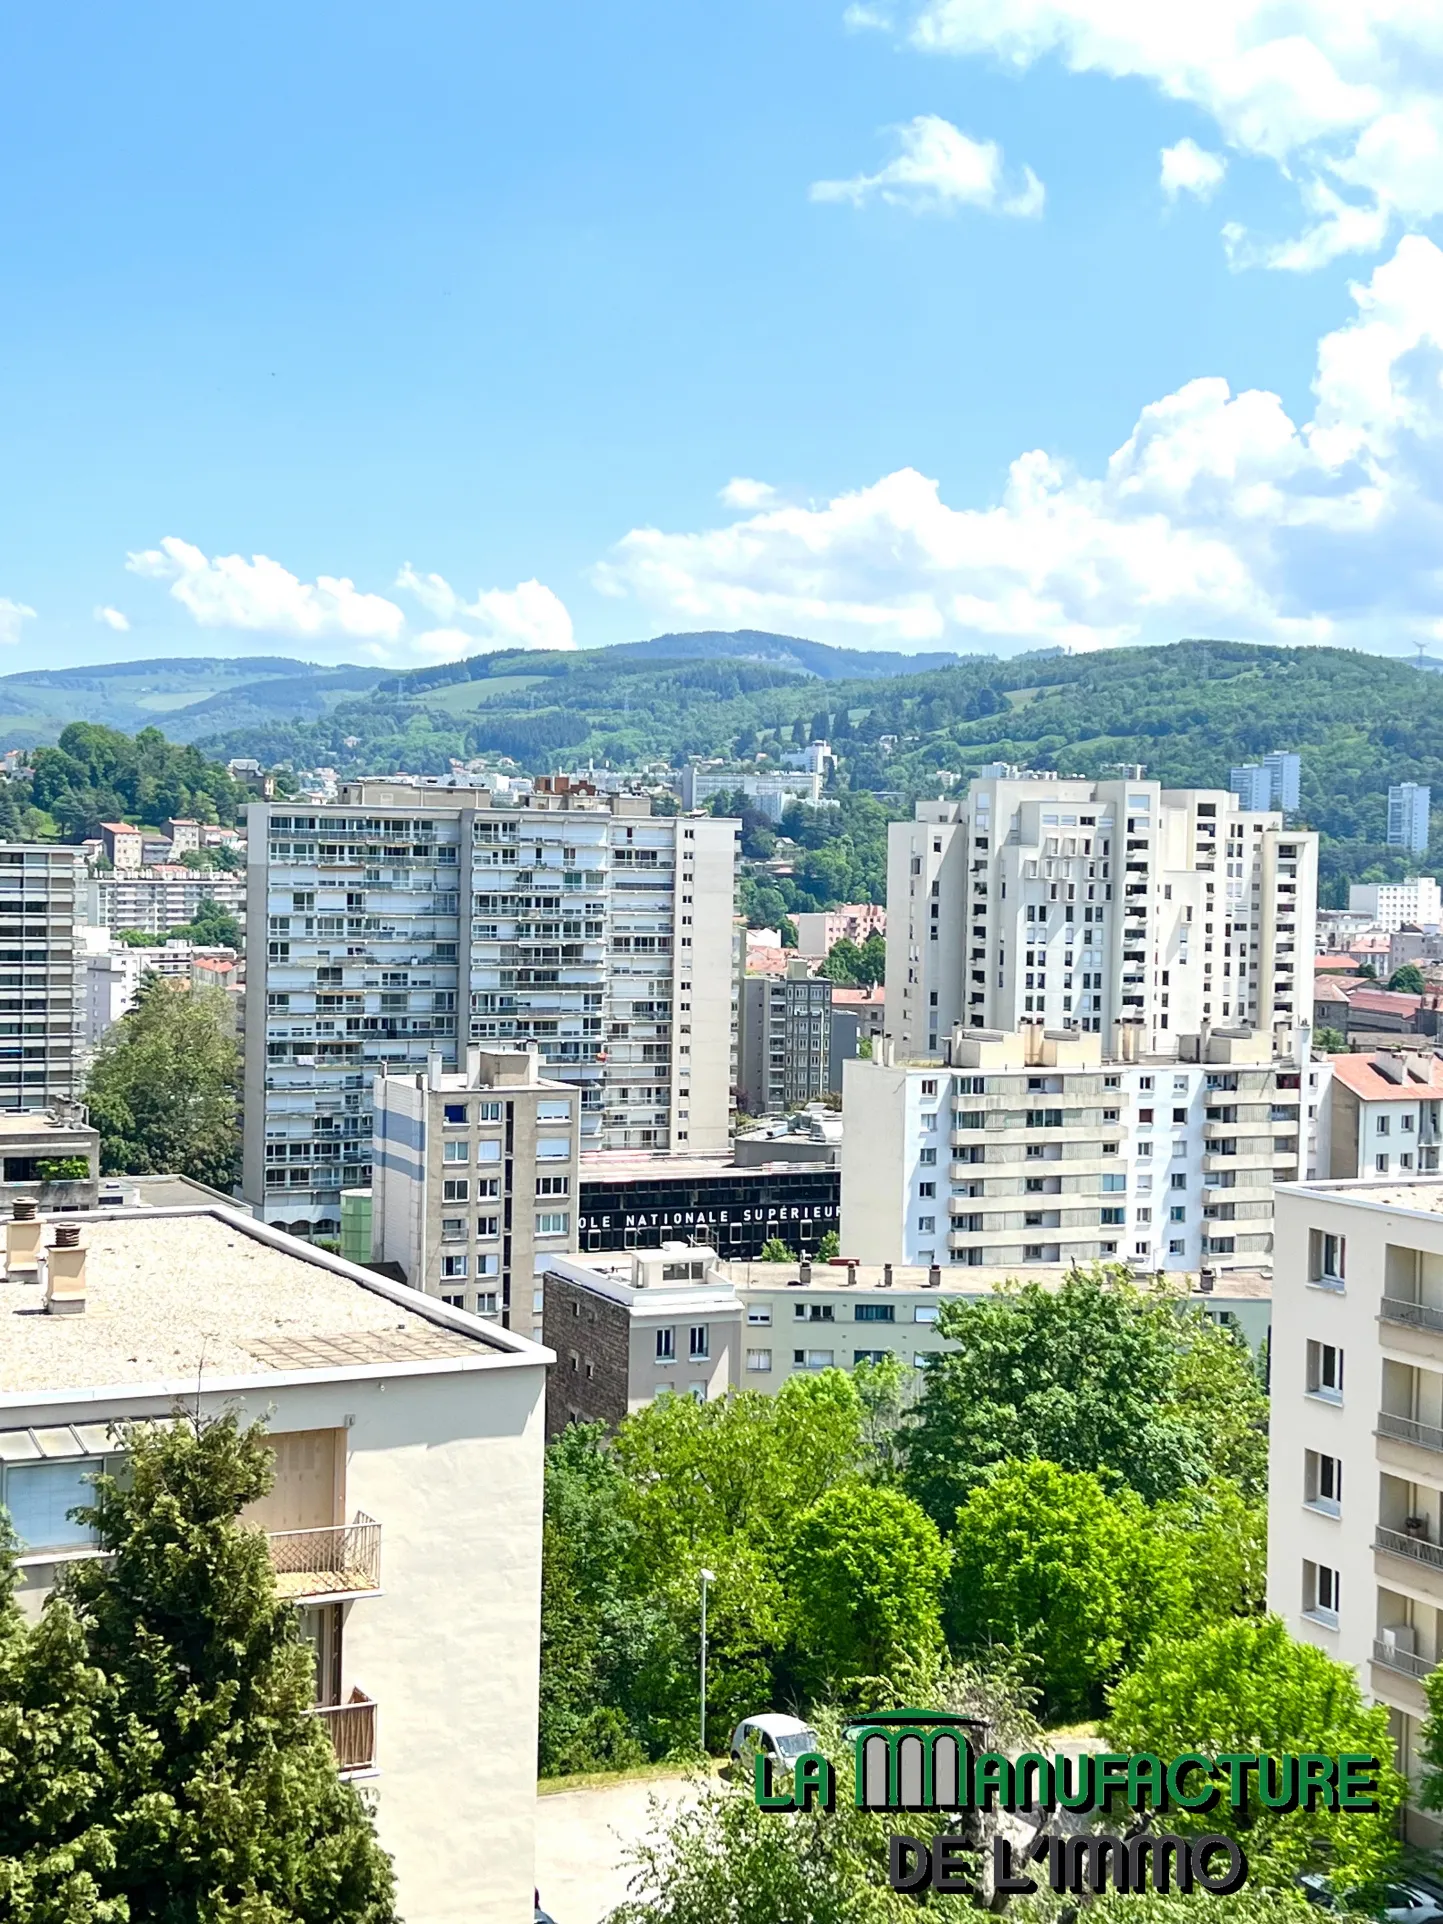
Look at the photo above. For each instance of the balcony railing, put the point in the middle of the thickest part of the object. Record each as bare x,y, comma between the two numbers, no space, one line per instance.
1403,1661
1407,1429
1393,1309
351,1728
344,1560
1416,1549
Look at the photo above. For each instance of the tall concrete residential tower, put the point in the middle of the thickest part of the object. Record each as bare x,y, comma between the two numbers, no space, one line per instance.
404,920
1098,906
40,1012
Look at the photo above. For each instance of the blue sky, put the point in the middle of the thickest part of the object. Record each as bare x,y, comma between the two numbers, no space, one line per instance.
381,332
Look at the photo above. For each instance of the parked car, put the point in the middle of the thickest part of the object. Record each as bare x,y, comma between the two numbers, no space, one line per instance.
782,1738
1402,1903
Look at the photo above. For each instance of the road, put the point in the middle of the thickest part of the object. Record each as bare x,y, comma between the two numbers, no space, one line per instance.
581,1838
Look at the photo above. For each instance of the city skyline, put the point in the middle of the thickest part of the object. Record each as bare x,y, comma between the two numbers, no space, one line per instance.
894,327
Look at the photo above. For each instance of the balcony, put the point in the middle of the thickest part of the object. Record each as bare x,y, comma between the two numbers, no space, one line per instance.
1406,1429
1393,1309
1405,1662
1395,1543
315,1566
351,1728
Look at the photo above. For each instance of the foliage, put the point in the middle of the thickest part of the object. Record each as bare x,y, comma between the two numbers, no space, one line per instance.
774,1250
212,927
1408,980
865,1573
1102,1375
1049,1565
164,1087
219,1794
1247,1686
1329,1042
62,1168
1222,1536
858,966
139,939
96,774
1430,1743
829,1246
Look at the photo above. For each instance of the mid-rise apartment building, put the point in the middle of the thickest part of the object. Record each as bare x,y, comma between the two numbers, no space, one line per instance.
771,792
476,1179
818,931
1087,905
1409,808
1274,782
408,1455
1383,1114
40,1006
155,900
677,1320
784,1040
1355,1485
1416,901
405,920
1035,1147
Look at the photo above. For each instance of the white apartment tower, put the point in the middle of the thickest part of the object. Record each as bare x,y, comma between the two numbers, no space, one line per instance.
402,921
1097,906
1408,812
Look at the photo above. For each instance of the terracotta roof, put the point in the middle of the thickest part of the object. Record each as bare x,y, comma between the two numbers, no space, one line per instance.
1384,1002
121,828
858,998
1328,992
1339,964
1360,1074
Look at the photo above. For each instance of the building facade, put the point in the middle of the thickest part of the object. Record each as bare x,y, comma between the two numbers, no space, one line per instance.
1355,1485
641,1202
40,989
1383,1115
771,793
818,932
1389,905
476,1180
784,1040
158,899
1087,905
405,921
1408,812
1274,782
1034,1147
408,1442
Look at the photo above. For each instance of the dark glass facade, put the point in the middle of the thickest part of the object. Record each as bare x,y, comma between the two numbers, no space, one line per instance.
734,1210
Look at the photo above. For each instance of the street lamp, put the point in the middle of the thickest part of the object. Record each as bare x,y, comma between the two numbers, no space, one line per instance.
707,1576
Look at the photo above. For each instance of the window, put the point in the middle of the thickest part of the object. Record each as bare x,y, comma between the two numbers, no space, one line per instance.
1177,1214
1323,1482
926,1225
489,1112
1176,1248
1325,1371
929,1088
1321,1592
969,1119
455,1112
455,1189
875,1312
925,1313
553,1149
1144,1115
666,1346
488,1265
759,1360
553,1185
488,1151
699,1344
759,1315
1114,1216
456,1152
454,1302
1044,1118
925,1191
1179,1115
486,1302
553,1222
38,1495
1178,1179
1383,1125
488,1226
1113,1182
812,1359
1380,1165
452,1266
453,1229
553,1112
814,1312
927,1158
1326,1256
870,1355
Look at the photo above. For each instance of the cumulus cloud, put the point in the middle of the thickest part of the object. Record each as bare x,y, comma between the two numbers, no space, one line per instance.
227,591
1190,169
1218,514
529,615
1327,91
12,615
739,492
113,618
938,170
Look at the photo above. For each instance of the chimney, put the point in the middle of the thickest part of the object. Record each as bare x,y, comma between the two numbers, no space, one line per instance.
886,1275
934,1276
1205,1281
851,1275
65,1279
806,1272
24,1238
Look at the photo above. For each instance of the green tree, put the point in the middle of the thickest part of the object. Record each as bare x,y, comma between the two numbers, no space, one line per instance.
882,1389
1329,1042
873,967
865,1573
1071,1579
1102,1375
787,929
164,1087
774,1250
1222,1537
1408,980
1248,1687
843,964
829,1246
213,926
221,1793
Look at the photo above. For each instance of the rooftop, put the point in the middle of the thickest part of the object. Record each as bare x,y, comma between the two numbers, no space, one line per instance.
1397,1077
1421,1197
640,1165
967,1281
175,1299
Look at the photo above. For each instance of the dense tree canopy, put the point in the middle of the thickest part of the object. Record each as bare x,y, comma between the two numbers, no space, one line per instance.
165,1084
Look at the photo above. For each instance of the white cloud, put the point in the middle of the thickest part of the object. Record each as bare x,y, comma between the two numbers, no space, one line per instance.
1321,87
1218,515
12,615
113,618
739,492
529,615
938,170
228,591
1190,169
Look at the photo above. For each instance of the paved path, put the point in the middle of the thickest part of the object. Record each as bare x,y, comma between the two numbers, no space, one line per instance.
581,1836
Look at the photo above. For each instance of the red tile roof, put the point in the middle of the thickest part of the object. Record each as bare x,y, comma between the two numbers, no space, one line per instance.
1359,1074
1384,1002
